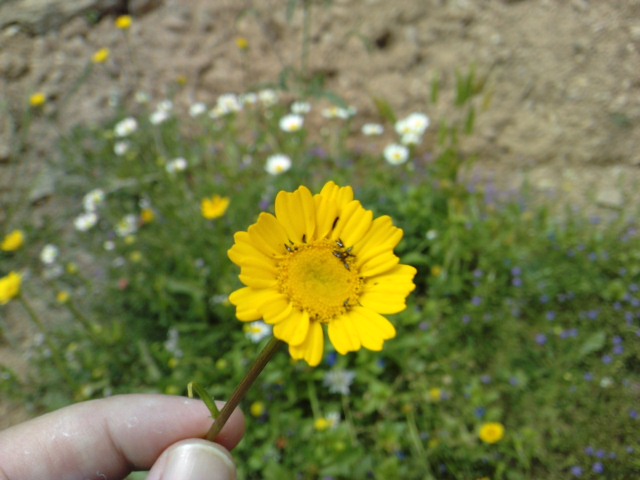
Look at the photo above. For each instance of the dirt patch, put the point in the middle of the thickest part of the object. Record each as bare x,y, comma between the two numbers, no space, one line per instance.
563,92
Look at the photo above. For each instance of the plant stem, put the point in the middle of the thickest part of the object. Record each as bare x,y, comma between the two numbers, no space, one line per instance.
263,358
55,353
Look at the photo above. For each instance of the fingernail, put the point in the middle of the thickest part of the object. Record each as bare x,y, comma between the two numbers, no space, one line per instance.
199,461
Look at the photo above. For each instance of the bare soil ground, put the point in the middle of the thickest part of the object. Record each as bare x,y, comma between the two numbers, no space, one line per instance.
562,76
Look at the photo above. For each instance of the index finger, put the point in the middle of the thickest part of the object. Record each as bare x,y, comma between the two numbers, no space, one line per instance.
106,438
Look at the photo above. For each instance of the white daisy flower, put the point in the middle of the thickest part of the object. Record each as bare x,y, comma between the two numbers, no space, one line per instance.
339,112
300,108
197,109
249,98
128,225
93,200
291,123
268,97
257,331
411,139
339,381
416,123
158,117
125,127
176,165
85,221
49,254
228,103
277,164
372,129
109,245
396,154
120,148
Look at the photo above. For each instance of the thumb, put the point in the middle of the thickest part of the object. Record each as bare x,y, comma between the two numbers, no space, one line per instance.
194,459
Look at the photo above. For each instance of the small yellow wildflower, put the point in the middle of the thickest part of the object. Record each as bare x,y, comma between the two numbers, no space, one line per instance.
321,424
62,297
242,43
13,241
147,216
123,22
135,256
435,394
172,363
214,207
257,409
101,56
130,239
38,99
72,268
182,80
436,271
491,432
10,287
222,364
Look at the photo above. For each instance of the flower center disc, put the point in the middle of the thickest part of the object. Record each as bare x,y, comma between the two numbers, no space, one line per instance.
321,279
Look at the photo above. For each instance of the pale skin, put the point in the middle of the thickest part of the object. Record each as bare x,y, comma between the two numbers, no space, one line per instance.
109,438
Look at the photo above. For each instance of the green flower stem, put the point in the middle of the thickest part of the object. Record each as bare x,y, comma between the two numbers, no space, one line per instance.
263,358
84,321
55,353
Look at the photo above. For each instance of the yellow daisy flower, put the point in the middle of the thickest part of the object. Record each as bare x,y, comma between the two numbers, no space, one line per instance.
321,260
491,432
10,287
38,99
123,22
214,207
101,56
12,241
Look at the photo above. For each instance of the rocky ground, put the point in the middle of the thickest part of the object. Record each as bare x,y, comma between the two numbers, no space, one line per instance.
562,84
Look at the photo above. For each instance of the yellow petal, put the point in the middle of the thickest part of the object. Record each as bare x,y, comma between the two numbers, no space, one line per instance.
382,263
244,300
268,235
243,252
354,223
293,329
381,236
276,309
329,204
296,212
343,335
372,328
312,348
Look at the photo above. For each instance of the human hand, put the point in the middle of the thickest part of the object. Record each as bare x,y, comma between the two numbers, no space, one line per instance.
111,437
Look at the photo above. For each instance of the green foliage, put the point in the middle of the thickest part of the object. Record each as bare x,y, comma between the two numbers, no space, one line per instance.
518,317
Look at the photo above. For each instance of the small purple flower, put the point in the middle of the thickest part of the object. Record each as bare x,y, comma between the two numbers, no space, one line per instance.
618,350
478,273
598,467
593,314
476,301
601,454
544,299
588,377
466,319
606,359
480,413
628,316
516,271
551,315
576,471
486,379
589,451
633,414
541,339
517,282
634,287
424,326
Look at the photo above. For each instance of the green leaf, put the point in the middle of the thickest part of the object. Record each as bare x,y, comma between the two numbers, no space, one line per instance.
592,344
205,397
